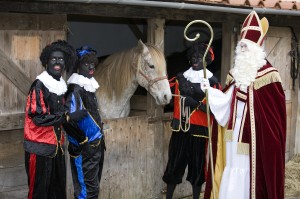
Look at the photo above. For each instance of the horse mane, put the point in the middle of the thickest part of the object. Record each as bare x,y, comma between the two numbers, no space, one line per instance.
117,71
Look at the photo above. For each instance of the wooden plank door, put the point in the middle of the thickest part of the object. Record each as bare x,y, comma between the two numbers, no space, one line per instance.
277,46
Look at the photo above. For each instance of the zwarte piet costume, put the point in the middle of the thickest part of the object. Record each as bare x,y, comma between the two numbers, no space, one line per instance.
44,116
86,158
188,143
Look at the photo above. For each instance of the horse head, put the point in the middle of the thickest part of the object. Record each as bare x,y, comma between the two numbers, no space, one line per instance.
120,74
152,73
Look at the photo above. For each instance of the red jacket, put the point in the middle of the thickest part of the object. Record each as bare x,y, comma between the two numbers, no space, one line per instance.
44,116
198,116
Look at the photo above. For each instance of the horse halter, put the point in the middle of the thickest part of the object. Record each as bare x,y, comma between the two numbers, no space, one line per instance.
152,81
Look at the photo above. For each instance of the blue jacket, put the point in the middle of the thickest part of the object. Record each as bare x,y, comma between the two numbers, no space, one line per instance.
77,98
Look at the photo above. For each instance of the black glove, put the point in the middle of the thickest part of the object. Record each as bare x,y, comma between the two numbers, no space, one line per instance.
73,130
74,150
189,101
202,107
78,115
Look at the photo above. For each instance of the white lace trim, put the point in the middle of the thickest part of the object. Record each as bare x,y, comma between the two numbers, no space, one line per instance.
89,84
54,86
196,76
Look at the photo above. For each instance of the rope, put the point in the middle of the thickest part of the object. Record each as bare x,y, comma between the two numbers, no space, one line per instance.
186,113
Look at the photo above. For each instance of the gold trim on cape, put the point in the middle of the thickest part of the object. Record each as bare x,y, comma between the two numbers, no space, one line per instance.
253,142
266,79
241,95
229,79
242,148
241,131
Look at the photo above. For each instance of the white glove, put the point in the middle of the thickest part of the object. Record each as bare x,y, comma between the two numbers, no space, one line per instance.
204,84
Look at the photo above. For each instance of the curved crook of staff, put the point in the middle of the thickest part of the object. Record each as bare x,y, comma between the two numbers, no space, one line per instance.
207,105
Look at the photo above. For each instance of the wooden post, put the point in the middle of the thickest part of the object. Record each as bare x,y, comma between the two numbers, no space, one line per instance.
229,39
295,139
155,35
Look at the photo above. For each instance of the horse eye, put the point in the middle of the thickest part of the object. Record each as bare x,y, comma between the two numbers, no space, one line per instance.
151,66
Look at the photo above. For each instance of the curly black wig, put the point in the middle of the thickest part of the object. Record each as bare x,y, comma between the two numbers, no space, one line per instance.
199,49
63,46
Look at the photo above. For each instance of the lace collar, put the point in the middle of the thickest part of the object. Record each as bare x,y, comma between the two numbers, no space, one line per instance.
196,76
54,86
89,84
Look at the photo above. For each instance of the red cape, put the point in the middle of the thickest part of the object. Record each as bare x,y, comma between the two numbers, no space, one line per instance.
266,137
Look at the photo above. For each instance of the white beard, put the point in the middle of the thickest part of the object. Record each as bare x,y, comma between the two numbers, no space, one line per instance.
247,63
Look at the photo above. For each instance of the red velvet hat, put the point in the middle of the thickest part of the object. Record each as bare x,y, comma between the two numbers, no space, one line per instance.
254,29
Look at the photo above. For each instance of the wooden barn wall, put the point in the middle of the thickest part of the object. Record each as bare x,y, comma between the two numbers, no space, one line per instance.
129,166
22,37
131,169
13,180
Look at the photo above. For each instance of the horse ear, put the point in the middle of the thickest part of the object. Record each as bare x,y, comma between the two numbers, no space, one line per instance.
141,45
160,44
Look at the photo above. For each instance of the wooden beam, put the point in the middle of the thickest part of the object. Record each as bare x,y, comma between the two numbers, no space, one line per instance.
20,21
136,31
14,74
155,36
127,11
166,117
229,32
107,10
12,121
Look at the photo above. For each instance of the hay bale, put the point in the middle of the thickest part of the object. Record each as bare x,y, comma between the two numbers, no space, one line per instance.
292,176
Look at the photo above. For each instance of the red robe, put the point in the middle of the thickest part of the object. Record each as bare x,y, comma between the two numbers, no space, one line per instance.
265,132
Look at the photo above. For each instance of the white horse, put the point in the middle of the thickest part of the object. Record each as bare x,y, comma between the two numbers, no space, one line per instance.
120,74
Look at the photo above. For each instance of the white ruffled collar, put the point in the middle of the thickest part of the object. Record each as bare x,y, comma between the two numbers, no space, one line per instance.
54,86
89,84
196,76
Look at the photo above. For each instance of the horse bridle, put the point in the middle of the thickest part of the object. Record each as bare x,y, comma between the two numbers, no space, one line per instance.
151,81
